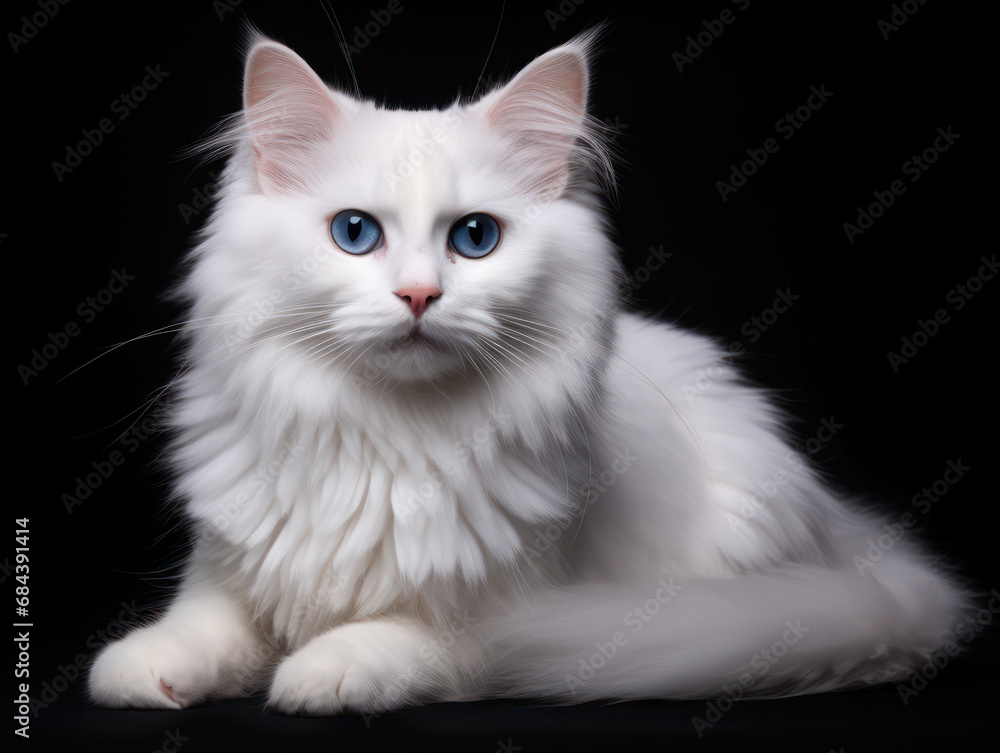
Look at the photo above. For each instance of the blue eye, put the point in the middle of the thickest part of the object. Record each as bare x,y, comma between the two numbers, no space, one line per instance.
356,232
475,235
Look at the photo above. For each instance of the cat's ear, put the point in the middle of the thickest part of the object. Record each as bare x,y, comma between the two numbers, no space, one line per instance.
290,114
544,109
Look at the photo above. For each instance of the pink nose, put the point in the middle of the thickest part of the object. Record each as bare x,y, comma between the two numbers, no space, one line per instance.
418,297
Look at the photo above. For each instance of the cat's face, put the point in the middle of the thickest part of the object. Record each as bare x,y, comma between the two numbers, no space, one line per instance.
408,246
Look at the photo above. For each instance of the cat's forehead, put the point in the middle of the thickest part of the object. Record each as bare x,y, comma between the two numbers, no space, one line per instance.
415,138
421,163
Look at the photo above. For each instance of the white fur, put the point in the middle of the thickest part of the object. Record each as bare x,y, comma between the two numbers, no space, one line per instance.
381,522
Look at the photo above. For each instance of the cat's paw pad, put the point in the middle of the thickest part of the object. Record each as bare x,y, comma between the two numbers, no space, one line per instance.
148,671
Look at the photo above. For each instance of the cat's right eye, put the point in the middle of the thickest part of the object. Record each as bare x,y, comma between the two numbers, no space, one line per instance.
356,232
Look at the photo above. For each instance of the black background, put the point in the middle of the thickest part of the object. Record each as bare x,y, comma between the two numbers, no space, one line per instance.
124,208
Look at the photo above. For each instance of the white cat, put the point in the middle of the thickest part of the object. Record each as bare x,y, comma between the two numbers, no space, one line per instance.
428,456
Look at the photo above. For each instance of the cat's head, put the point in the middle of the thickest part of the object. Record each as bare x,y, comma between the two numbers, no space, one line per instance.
407,246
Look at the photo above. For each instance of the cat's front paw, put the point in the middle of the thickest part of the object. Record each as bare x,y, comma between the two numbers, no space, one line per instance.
151,669
359,670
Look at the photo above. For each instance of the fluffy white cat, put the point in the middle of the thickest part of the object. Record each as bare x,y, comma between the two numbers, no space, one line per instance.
427,455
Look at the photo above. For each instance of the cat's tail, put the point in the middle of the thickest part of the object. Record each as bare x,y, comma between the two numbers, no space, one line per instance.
800,630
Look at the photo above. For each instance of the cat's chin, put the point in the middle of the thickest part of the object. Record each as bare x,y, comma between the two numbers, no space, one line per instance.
412,359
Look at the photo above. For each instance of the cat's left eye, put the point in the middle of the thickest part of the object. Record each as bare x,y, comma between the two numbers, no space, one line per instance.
475,235
356,232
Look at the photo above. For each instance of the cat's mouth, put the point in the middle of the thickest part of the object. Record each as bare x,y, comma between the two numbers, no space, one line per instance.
413,355
417,338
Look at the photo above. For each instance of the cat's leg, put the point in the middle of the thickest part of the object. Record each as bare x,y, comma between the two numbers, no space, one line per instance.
203,647
372,666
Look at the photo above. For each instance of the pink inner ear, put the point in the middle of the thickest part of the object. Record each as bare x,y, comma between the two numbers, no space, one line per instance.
291,116
544,109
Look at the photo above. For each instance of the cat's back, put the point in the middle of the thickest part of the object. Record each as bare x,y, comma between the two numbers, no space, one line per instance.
688,448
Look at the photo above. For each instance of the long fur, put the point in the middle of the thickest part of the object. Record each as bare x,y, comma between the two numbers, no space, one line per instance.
538,495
